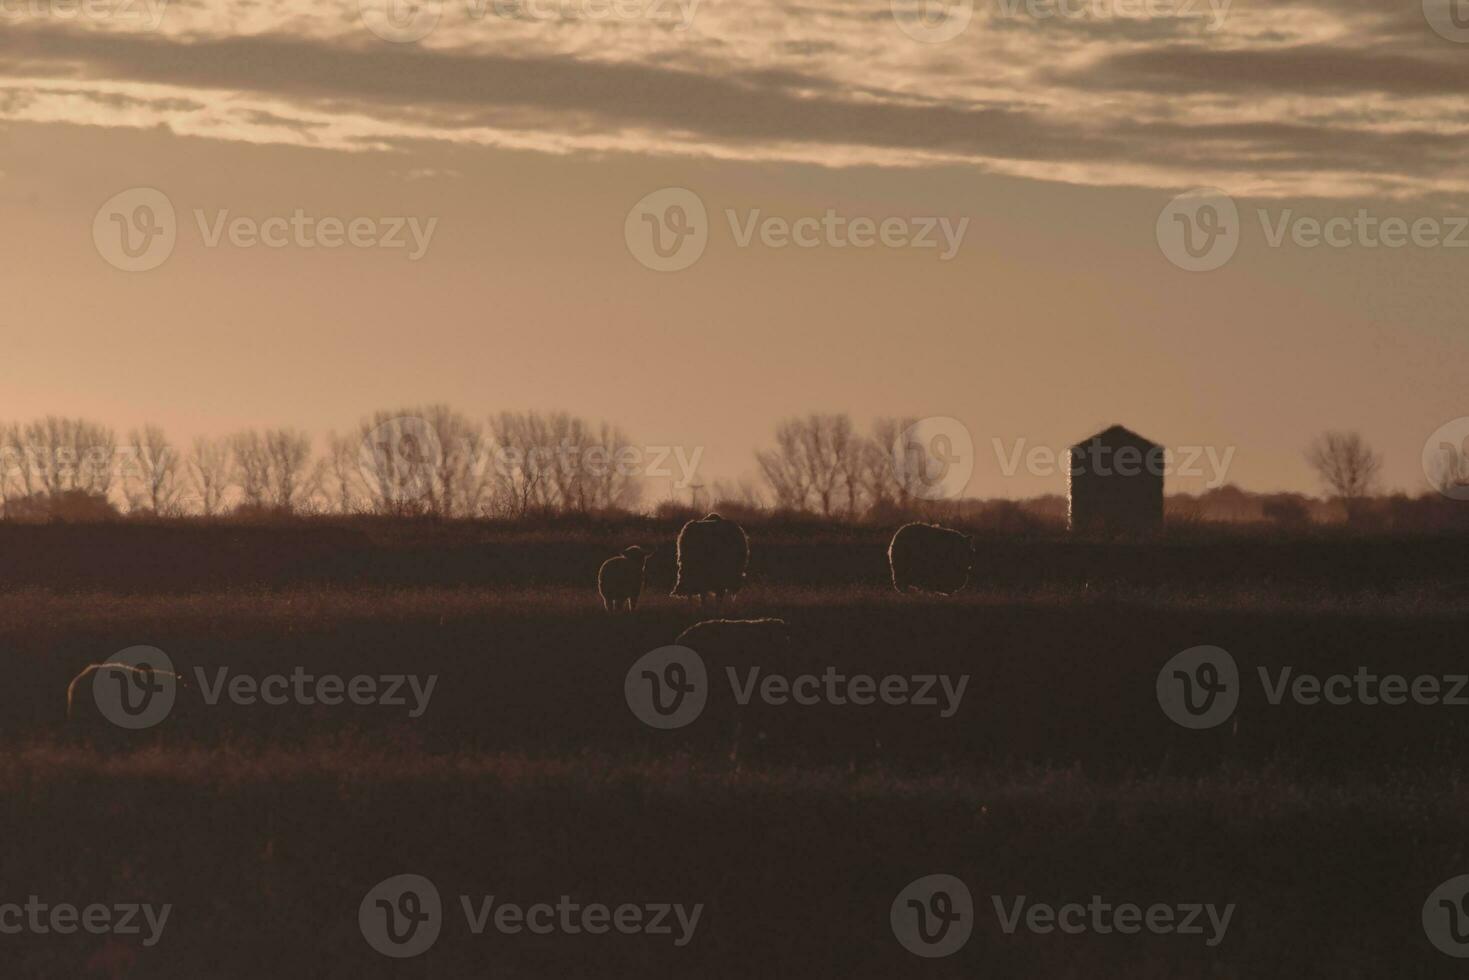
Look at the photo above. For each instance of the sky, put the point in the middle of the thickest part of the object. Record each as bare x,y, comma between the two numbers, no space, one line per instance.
646,212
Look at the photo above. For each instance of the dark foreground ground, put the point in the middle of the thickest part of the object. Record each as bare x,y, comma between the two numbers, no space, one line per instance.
527,777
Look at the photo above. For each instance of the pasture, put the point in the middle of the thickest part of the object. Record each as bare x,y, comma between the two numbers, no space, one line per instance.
527,777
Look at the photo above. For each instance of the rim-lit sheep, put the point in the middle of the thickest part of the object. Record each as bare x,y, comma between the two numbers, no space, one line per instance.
620,579
712,556
84,706
737,644
931,558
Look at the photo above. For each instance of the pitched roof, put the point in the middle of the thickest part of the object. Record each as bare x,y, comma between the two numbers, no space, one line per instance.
1115,435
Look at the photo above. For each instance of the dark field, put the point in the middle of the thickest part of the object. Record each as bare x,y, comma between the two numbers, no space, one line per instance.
527,777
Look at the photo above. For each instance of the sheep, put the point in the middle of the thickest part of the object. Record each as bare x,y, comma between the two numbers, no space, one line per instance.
141,675
738,644
712,556
930,557
620,579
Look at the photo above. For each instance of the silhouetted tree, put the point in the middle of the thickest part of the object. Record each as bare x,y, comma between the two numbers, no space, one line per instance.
816,462
152,479
209,473
1347,466
55,455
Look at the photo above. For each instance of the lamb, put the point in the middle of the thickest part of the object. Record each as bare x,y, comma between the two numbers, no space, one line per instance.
712,556
620,579
930,557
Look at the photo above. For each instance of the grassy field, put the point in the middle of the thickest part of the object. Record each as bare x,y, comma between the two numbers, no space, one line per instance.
527,776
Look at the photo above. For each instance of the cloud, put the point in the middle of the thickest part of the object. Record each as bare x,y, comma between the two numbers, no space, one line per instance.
1314,99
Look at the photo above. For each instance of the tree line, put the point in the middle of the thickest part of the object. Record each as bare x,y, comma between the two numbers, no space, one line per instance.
434,460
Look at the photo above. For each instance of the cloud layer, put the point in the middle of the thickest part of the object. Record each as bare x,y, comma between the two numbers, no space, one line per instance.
1333,100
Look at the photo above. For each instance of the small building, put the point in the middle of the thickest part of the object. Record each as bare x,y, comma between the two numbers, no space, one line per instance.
1115,484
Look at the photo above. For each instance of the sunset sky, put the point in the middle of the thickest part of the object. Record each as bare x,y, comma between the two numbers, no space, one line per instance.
527,134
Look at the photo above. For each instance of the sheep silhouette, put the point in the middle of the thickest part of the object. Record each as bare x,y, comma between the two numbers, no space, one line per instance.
725,644
84,710
931,558
620,579
712,556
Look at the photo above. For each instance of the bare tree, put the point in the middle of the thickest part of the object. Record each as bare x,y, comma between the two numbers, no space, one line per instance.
55,455
152,480
890,485
1347,466
209,473
813,464
288,454
251,467
338,475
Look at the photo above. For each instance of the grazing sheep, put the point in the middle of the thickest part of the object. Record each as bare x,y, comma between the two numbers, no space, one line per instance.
736,644
143,674
620,579
712,556
931,558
